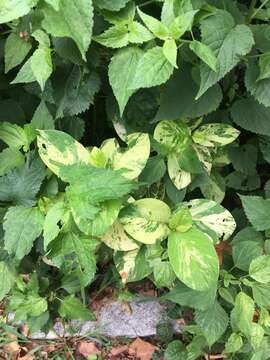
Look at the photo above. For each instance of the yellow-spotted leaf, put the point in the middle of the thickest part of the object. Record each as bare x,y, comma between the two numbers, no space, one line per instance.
173,135
117,239
146,220
194,259
179,177
215,135
58,149
110,147
98,158
133,160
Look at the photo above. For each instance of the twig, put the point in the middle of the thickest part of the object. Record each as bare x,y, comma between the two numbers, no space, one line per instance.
258,9
213,357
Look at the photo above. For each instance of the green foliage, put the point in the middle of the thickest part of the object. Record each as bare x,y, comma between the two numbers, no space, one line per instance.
134,142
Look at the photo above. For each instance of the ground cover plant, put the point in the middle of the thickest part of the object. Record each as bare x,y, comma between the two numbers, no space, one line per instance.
135,144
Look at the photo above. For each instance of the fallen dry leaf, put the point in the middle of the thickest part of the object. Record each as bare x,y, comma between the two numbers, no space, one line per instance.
88,348
119,350
222,247
141,349
13,346
26,357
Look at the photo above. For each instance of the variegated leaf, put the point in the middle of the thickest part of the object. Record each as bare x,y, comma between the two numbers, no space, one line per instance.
117,239
204,156
133,160
194,259
179,177
146,220
212,218
215,135
110,147
97,158
58,149
173,135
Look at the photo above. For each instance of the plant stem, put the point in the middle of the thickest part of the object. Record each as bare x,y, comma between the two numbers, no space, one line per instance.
258,9
251,9
147,3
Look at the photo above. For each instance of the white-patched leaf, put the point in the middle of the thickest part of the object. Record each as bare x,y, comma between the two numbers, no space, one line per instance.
215,135
179,177
117,239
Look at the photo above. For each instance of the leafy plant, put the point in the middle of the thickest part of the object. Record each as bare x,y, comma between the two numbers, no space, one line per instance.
135,144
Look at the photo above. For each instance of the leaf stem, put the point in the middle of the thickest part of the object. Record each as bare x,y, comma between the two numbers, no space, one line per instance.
147,3
258,9
251,9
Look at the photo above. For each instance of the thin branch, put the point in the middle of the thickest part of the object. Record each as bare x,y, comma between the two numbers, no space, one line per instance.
258,9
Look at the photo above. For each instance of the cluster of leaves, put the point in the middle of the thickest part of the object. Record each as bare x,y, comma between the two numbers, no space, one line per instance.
170,102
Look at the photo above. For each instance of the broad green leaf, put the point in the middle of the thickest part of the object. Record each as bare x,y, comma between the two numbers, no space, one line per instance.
71,308
215,135
32,305
54,220
205,53
213,188
244,158
117,239
213,322
259,269
16,50
21,185
42,118
13,135
173,135
114,5
133,160
138,34
7,277
121,71
212,218
97,158
54,3
25,75
170,51
146,220
164,275
153,69
154,170
246,246
58,149
244,111
261,294
234,343
256,336
22,226
132,265
154,25
114,37
194,259
185,296
13,9
264,64
124,15
228,43
180,178
242,314
170,107
74,19
41,65
182,23
10,158
74,126
190,160
175,350
181,220
257,209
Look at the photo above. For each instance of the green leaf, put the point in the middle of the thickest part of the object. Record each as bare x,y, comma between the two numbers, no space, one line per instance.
259,269
264,64
246,246
180,178
154,25
42,118
154,170
58,149
181,220
234,343
175,351
257,209
115,5
54,220
13,9
182,23
215,135
145,220
13,135
170,51
242,314
32,305
54,3
74,126
212,219
170,107
244,112
133,160
205,53
115,37
22,226
74,19
117,239
164,275
121,71
153,69
213,322
228,43
41,65
72,308
16,50
261,294
7,276
10,158
138,34
193,253
21,185
185,296
25,75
